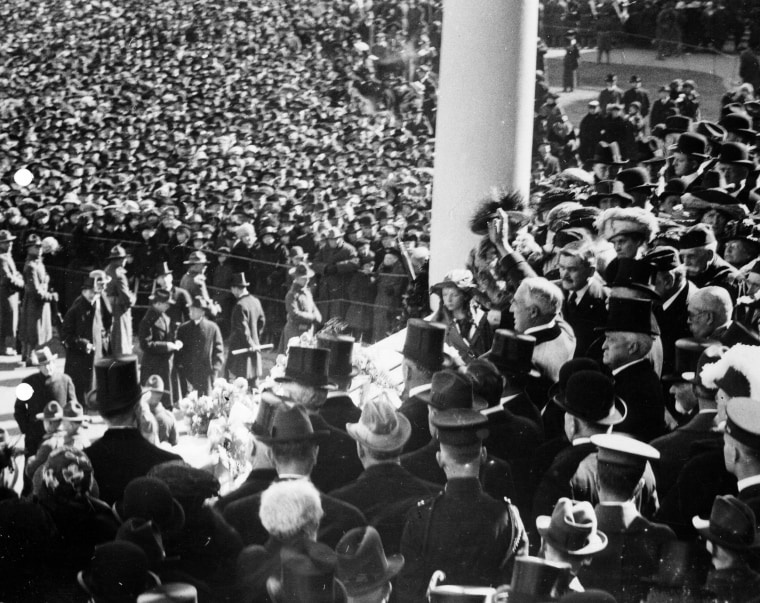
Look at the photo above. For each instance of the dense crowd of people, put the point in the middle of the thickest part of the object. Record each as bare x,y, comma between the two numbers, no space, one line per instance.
186,185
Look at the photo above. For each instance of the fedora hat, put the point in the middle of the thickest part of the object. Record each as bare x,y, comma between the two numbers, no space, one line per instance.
380,427
677,124
629,314
161,296
117,385
196,257
117,253
292,425
572,366
512,353
362,566
424,343
239,280
535,580
732,524
6,237
301,270
150,499
307,366
590,396
341,352
74,412
43,355
51,412
688,351
145,534
307,576
450,389
572,528
118,572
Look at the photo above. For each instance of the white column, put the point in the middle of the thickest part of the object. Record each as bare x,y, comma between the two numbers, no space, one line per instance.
485,116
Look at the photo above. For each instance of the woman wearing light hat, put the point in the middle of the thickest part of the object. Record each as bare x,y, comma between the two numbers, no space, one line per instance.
302,313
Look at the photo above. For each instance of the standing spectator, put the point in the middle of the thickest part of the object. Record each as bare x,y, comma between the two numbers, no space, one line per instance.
590,131
749,67
391,284
36,327
158,342
302,313
611,95
606,25
121,300
570,63
11,283
662,108
335,263
688,102
201,358
271,276
246,325
362,289
636,93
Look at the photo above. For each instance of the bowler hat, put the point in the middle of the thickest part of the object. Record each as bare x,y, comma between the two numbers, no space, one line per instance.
572,528
738,124
380,427
732,524
161,296
590,396
677,124
117,253
735,153
512,353
450,389
362,564
688,353
635,179
307,577
690,143
567,370
292,425
51,412
629,314
150,498
239,280
308,366
118,572
117,385
341,350
424,343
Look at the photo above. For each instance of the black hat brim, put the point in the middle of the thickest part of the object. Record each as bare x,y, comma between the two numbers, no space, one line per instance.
618,415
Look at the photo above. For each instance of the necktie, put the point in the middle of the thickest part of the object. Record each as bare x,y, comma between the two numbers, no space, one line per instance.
571,303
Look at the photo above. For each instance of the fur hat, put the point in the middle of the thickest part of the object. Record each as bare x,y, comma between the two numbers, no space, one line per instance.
626,220
287,506
735,371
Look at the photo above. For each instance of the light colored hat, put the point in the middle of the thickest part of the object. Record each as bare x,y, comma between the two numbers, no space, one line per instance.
380,427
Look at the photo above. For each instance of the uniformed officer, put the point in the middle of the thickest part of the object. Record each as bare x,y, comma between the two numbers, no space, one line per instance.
463,532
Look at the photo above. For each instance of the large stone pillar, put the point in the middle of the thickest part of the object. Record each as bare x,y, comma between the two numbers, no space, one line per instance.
485,116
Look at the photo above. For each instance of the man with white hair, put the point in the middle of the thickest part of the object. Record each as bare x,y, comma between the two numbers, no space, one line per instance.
710,310
628,341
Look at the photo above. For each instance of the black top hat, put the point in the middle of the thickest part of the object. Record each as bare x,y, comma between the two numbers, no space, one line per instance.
512,353
450,389
629,314
118,386
677,124
161,296
239,280
292,425
424,343
341,350
732,524
739,333
88,283
163,269
590,395
692,144
535,579
635,274
362,564
308,366
688,353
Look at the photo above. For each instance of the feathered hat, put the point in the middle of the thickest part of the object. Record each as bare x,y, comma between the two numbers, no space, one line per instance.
511,202
627,220
735,373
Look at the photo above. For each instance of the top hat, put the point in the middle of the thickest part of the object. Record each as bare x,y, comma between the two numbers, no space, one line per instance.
161,296
88,283
308,366
362,564
118,387
635,274
341,349
150,499
239,280
677,124
512,353
292,425
118,572
302,269
307,577
6,237
43,355
196,257
688,353
535,580
163,269
117,253
732,524
424,343
629,314
690,143
380,427
572,528
590,396
74,412
450,389
710,355
51,412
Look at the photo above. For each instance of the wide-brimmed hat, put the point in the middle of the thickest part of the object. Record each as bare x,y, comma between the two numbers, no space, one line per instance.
450,389
512,353
300,270
161,296
572,528
341,354
362,564
307,576
732,524
590,396
117,385
460,278
150,498
118,572
292,425
717,199
308,366
380,426
51,412
43,355
117,253
196,257
6,236
424,343
629,314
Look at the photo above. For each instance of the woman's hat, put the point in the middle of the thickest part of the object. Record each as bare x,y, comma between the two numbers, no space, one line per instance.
572,528
362,566
380,427
590,396
292,425
186,483
732,525
150,498
51,412
512,353
461,279
67,474
118,572
308,366
118,387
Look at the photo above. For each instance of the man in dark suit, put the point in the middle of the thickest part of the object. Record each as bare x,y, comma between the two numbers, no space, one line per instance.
742,449
636,94
634,543
246,324
423,356
698,249
201,357
339,408
294,449
122,454
157,335
179,310
585,297
628,340
385,491
449,390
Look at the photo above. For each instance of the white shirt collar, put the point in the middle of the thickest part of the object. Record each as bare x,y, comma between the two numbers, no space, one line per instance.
708,411
548,325
745,483
419,389
580,292
580,441
625,366
666,304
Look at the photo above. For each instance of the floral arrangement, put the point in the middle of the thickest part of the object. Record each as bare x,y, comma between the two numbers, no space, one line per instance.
201,410
372,380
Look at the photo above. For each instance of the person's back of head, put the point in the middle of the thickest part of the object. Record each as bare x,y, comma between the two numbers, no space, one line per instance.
460,432
291,509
